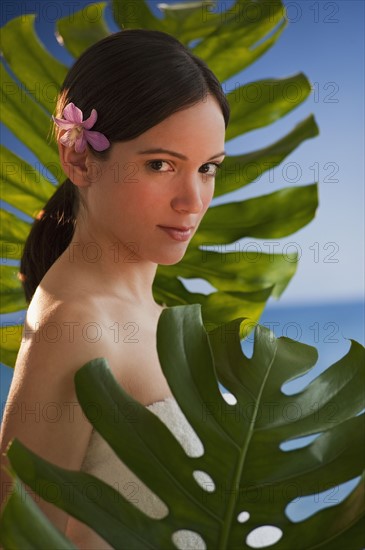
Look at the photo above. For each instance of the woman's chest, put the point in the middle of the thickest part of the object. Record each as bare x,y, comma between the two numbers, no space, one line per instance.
134,360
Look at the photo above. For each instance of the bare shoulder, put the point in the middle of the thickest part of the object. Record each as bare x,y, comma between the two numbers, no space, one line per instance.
60,331
42,409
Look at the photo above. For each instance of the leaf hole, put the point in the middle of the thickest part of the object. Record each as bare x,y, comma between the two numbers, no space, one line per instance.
195,284
204,480
185,538
298,442
264,536
301,508
243,517
229,398
247,345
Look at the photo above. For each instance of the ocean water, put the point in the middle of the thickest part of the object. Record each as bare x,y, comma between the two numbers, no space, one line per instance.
328,327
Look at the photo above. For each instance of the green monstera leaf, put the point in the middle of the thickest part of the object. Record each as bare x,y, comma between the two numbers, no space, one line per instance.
249,477
228,40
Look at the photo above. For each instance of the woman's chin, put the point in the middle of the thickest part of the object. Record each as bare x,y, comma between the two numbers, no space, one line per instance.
171,258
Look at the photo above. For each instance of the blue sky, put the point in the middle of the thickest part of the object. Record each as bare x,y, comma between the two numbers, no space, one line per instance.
325,41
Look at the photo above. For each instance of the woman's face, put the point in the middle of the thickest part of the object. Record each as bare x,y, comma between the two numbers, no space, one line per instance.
151,194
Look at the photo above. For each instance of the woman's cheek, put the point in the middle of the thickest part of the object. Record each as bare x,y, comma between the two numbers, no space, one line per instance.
208,200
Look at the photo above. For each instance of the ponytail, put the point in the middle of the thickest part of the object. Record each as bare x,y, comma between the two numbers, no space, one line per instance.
49,236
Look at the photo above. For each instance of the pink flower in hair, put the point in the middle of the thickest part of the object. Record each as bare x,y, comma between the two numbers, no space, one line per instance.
78,132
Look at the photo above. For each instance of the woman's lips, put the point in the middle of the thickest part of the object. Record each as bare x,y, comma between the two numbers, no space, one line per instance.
178,234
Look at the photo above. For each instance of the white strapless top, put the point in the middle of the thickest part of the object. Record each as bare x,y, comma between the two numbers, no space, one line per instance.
101,462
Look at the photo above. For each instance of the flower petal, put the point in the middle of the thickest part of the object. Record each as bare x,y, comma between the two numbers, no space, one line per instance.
89,122
62,123
66,139
97,140
72,113
80,143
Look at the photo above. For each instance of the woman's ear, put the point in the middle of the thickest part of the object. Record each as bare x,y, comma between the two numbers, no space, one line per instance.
74,165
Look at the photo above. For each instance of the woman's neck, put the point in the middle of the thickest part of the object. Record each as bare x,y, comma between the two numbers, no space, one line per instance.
115,267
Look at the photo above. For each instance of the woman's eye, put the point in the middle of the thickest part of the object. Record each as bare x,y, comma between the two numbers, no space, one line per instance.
209,169
212,171
156,165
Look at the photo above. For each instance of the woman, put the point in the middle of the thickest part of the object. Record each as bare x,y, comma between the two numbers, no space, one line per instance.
140,126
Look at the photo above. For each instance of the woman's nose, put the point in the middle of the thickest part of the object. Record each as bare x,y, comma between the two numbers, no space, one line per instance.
188,196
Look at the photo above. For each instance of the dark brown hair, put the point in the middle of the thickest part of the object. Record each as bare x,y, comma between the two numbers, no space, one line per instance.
135,79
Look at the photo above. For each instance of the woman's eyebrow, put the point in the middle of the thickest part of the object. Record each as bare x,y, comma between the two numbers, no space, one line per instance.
173,153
